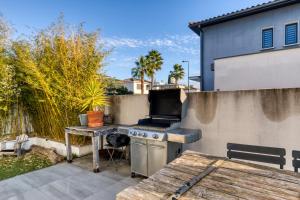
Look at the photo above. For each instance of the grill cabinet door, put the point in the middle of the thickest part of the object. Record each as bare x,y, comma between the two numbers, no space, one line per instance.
139,156
157,157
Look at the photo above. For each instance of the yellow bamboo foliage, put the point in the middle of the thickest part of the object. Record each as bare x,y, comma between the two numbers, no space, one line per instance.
53,71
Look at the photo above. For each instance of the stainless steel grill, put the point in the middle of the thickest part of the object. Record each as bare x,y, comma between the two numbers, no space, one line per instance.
150,148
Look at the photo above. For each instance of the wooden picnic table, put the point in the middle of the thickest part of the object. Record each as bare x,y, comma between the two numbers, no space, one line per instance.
219,178
95,133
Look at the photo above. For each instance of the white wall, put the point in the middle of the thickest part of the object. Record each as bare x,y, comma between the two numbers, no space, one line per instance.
132,86
129,86
274,69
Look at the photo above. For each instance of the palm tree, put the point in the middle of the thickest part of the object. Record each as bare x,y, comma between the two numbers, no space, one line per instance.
140,71
177,73
155,61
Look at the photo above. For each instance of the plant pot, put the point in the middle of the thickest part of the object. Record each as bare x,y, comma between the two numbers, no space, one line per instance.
95,119
83,118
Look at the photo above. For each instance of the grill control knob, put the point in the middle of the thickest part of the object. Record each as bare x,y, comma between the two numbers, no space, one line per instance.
140,134
134,133
155,136
145,135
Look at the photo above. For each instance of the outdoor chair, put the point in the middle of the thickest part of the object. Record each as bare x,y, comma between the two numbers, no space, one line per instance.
116,143
16,149
296,160
262,154
20,141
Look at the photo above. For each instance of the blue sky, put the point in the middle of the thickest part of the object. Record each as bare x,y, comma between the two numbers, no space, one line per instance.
130,27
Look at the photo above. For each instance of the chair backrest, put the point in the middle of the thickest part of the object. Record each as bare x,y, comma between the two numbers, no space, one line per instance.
296,161
263,154
22,138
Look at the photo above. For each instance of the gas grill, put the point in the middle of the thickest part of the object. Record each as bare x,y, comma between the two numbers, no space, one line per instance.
150,148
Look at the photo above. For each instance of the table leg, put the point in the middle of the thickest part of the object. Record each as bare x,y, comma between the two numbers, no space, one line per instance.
68,146
102,145
96,160
19,149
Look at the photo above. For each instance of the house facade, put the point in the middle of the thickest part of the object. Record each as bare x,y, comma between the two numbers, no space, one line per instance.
263,29
134,85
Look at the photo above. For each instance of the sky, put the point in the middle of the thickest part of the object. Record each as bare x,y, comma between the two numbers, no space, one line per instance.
130,28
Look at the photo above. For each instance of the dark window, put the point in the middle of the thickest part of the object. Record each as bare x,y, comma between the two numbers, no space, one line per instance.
291,34
267,38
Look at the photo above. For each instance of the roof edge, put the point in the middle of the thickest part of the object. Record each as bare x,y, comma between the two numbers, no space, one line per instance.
195,26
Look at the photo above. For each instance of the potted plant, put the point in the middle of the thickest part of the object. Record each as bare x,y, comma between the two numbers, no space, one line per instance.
94,100
83,118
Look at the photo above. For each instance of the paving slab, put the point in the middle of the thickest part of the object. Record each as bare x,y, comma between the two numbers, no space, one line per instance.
66,181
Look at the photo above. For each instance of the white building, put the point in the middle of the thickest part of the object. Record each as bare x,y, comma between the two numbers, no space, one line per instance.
270,69
135,86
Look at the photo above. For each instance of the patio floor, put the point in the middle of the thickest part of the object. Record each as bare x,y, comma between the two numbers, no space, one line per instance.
69,181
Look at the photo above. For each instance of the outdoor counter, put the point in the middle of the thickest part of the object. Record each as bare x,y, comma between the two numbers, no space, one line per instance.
179,135
97,137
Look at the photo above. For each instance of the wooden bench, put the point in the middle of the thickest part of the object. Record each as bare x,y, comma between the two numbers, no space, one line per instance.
296,161
262,154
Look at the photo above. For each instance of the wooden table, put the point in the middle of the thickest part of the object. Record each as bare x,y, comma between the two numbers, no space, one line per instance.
221,179
95,134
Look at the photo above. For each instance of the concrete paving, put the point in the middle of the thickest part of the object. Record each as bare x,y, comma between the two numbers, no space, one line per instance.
69,182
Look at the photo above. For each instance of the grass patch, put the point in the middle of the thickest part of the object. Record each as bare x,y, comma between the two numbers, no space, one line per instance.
11,166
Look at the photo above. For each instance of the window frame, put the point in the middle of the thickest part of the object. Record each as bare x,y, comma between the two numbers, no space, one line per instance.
262,37
139,86
285,32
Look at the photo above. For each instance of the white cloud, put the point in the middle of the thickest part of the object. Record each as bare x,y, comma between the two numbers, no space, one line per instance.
175,43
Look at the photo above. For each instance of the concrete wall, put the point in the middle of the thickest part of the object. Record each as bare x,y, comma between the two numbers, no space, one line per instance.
243,36
128,109
275,69
257,117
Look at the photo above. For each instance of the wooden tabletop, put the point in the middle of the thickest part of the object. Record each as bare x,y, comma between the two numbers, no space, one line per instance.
230,180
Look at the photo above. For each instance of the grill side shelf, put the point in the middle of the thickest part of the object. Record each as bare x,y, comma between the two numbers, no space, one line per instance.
183,135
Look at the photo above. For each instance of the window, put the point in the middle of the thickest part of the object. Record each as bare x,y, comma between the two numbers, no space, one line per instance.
267,38
138,86
291,34
147,87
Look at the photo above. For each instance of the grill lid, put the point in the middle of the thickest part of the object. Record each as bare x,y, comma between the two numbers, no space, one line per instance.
166,104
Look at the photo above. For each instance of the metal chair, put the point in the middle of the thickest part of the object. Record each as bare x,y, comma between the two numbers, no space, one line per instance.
116,143
296,160
263,154
111,152
20,141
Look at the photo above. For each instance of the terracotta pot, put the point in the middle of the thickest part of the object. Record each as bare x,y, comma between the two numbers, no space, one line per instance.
95,119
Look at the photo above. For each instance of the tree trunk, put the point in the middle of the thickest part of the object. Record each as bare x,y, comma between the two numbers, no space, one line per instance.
142,83
152,80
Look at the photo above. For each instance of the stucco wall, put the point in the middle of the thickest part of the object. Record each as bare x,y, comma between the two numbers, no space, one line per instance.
257,117
261,117
128,109
274,69
243,36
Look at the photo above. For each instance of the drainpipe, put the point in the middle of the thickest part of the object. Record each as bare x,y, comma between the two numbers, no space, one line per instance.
201,57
